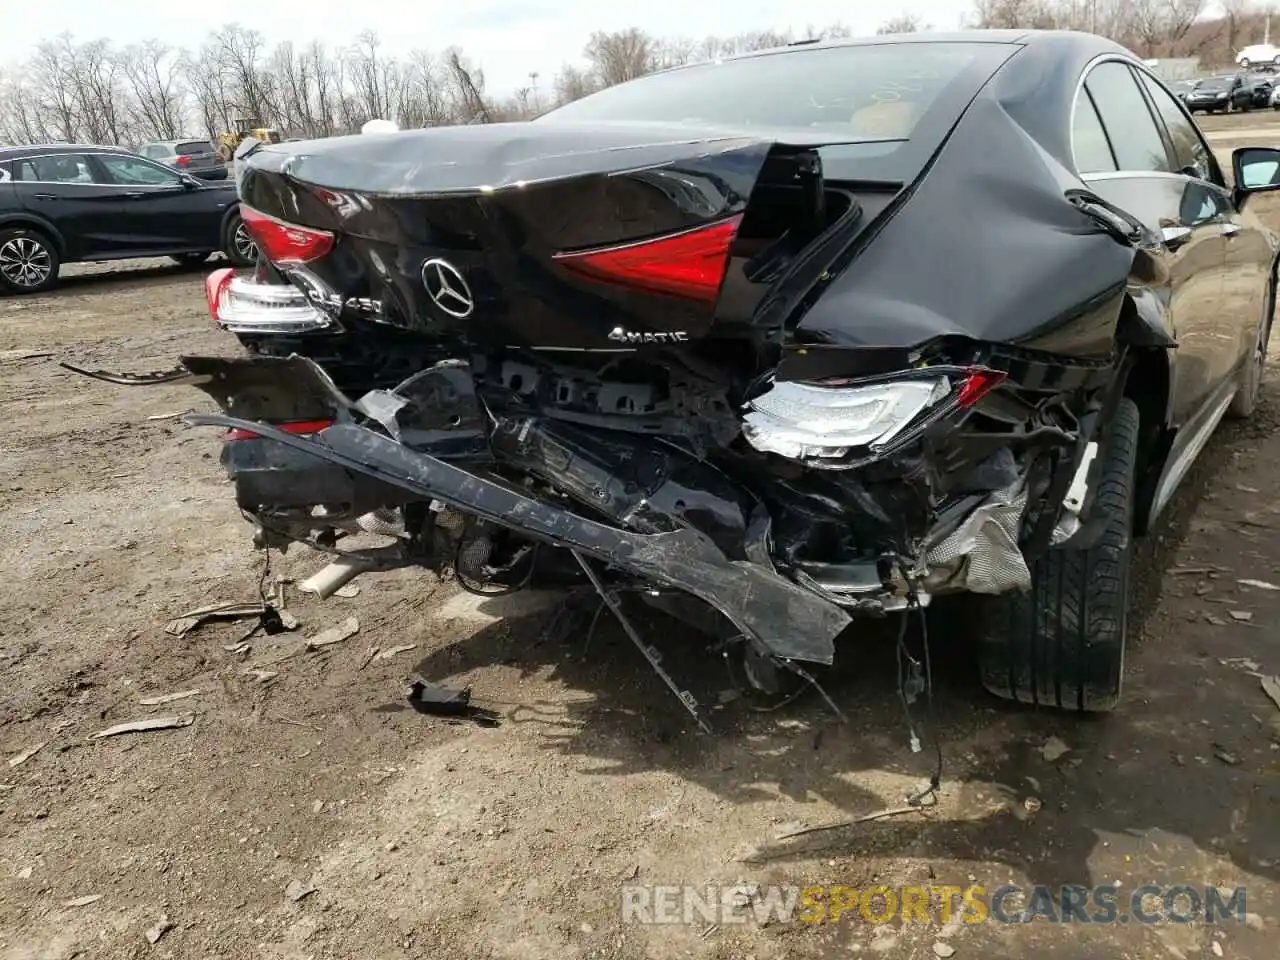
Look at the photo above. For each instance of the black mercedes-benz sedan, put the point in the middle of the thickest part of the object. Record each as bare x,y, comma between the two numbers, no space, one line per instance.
800,337
61,203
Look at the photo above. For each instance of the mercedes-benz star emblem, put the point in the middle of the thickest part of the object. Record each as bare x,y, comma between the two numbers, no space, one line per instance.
447,288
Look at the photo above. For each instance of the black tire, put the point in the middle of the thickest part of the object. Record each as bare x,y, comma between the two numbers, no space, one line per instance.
234,238
1062,644
29,261
190,259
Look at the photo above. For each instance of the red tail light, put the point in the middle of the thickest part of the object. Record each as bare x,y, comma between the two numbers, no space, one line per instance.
690,265
215,285
183,160
977,384
286,243
301,427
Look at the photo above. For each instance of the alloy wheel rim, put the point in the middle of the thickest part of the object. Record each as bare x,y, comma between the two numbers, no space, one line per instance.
25,262
246,249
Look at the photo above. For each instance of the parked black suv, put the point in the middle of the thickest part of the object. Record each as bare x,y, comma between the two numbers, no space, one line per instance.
63,203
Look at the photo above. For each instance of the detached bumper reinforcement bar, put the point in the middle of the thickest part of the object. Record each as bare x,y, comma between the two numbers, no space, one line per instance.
779,616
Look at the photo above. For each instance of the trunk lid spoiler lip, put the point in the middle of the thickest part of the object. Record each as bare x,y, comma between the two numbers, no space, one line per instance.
481,160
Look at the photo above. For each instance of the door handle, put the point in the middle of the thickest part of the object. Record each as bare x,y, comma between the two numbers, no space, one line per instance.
1231,229
44,196
135,194
1175,237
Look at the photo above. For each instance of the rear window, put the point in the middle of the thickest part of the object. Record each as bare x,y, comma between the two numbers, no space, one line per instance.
874,92
193,147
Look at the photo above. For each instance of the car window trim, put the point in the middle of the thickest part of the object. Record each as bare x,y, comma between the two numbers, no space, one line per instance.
1082,83
94,166
1156,174
58,183
1162,128
1213,158
1106,134
1075,100
134,156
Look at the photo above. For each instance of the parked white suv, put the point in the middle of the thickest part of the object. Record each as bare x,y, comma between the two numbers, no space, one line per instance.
1259,54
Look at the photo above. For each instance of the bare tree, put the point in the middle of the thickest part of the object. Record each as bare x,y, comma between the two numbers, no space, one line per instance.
53,75
902,23
468,87
572,84
240,63
621,56
157,98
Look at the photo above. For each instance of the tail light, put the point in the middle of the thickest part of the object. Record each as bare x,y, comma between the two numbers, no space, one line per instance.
183,160
803,421
243,305
215,290
299,427
286,243
689,265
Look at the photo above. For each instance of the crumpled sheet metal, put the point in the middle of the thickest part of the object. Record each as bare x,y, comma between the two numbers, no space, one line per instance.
982,554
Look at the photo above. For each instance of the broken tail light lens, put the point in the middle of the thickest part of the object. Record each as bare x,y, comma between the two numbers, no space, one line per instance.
977,384
216,285
806,420
244,305
690,265
299,427
285,243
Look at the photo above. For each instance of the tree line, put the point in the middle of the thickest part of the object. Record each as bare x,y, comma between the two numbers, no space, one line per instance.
99,92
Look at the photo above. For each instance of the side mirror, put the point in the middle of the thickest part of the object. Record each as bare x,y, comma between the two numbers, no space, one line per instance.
1256,170
189,182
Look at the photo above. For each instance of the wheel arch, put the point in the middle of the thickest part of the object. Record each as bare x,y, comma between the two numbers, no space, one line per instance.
32,221
1149,385
231,211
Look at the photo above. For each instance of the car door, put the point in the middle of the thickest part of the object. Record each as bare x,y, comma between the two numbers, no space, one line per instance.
61,188
1127,161
1247,249
166,212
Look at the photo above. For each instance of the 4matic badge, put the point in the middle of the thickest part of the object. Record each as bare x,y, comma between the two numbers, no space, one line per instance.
619,335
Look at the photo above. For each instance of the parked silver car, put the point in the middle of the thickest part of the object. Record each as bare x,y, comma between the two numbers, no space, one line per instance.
199,158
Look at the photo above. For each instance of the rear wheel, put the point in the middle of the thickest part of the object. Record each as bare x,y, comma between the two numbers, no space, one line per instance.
1062,644
237,244
29,261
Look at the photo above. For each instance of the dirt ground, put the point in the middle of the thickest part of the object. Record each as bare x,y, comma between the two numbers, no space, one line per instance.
420,837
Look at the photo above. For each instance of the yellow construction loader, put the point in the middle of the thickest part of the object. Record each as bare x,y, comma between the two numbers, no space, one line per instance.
252,127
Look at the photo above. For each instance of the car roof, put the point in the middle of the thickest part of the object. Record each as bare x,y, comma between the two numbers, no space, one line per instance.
47,149
167,143
1065,44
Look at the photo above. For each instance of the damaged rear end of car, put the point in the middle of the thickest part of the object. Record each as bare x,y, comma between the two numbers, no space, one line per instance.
681,359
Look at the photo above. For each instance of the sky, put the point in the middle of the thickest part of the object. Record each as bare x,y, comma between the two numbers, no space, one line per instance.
508,38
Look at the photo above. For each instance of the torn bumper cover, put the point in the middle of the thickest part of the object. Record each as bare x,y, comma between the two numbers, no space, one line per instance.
783,617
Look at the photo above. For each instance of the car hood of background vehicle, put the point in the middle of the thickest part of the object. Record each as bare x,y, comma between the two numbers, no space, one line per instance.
479,159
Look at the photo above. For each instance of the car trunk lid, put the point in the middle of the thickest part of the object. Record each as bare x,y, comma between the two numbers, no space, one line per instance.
580,236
